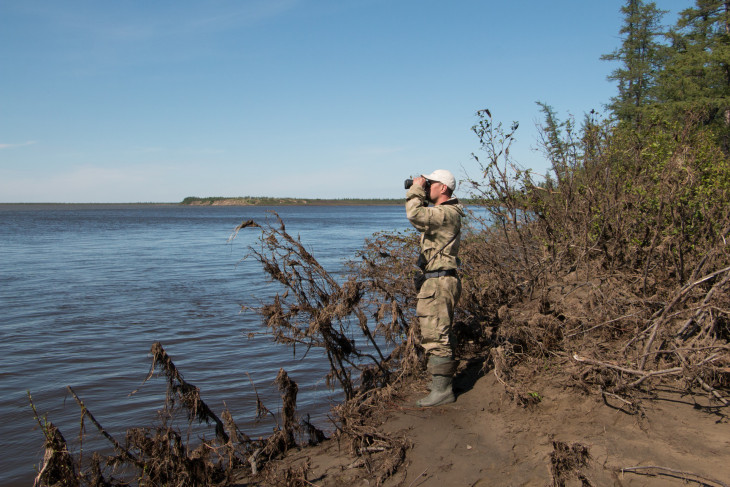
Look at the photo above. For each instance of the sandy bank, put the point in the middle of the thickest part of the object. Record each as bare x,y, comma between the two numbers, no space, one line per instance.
486,439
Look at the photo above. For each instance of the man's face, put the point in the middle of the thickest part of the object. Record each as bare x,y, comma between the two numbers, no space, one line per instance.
435,191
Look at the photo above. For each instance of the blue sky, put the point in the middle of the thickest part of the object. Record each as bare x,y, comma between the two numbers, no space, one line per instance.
153,101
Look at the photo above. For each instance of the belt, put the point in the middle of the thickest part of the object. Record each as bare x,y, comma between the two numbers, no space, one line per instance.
448,272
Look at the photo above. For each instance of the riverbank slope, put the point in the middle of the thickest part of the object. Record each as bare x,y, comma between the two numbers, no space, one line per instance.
569,438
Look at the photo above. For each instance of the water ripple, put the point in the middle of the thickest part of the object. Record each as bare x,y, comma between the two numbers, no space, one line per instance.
85,291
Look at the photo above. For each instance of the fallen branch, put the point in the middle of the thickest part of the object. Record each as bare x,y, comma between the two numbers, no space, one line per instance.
675,473
188,394
123,451
643,375
600,325
677,298
702,307
633,408
712,391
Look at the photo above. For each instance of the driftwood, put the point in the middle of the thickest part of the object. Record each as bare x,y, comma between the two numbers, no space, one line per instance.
179,389
126,454
670,472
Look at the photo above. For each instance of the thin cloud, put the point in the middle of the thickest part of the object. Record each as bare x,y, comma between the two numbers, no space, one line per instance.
248,14
378,151
84,184
147,150
12,146
119,25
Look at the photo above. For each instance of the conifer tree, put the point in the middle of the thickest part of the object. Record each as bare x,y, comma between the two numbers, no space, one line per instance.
697,71
640,58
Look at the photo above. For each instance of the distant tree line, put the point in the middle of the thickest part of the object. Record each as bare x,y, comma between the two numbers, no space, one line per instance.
273,201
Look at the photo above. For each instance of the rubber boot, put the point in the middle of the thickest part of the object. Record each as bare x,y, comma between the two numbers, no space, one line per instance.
442,371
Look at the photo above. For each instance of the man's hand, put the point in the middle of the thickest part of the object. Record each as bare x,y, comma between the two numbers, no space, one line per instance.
420,181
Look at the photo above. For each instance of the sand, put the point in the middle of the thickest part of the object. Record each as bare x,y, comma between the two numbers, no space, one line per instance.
486,439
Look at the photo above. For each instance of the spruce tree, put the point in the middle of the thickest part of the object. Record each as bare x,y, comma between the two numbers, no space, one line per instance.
640,58
696,76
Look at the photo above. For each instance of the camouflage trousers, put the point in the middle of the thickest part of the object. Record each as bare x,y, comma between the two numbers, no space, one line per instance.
435,311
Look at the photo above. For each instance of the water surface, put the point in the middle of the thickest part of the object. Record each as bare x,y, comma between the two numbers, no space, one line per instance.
85,291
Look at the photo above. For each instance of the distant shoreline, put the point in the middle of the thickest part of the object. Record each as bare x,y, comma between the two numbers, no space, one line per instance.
219,201
271,201
264,201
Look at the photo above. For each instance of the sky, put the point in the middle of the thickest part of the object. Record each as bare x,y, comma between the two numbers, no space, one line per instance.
154,101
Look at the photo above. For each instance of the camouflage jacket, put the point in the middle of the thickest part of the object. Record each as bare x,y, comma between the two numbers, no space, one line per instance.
438,225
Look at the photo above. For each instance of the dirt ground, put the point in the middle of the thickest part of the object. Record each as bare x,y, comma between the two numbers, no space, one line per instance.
485,438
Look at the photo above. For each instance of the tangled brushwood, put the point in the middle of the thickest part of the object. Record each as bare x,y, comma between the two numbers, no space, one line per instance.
161,454
615,267
355,321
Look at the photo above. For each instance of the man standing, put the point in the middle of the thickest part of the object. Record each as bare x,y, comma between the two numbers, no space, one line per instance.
441,227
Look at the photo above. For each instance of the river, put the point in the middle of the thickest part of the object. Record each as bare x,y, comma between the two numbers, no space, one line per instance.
86,289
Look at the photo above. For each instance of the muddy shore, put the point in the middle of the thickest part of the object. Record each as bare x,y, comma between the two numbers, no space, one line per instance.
570,437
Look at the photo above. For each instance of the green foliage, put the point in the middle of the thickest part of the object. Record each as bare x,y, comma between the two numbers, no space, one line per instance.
696,75
640,55
649,199
687,73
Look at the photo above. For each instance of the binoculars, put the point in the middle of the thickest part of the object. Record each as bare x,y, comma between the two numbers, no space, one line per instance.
409,182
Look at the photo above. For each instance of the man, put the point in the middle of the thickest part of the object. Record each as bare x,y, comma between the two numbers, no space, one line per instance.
441,228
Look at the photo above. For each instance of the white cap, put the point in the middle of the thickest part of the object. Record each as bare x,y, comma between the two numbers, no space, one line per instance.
444,177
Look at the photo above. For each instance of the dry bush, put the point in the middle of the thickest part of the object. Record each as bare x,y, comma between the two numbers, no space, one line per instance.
620,254
386,266
317,310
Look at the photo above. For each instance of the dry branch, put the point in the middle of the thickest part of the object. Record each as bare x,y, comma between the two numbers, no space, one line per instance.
678,298
124,452
643,375
687,476
187,393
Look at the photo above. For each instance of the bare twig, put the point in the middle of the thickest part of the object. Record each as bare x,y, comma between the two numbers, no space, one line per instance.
702,307
679,473
712,391
643,374
600,325
677,298
419,476
85,412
